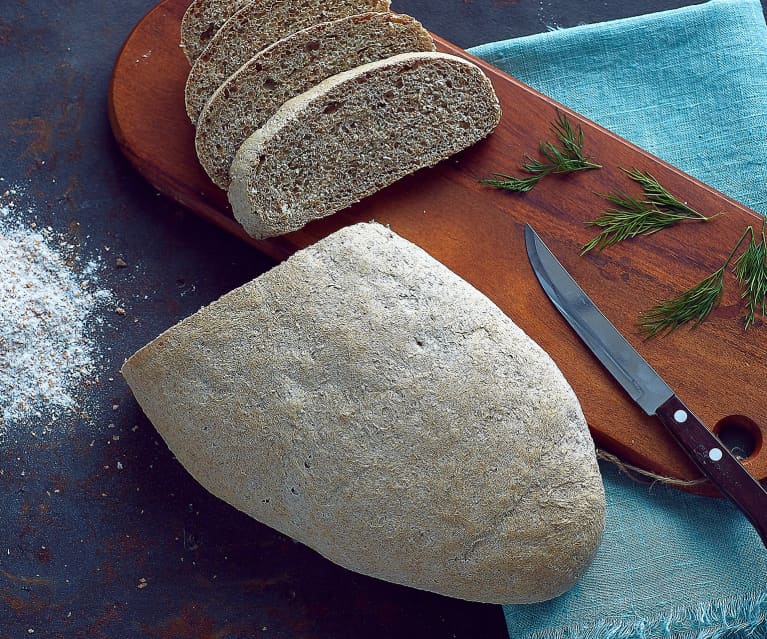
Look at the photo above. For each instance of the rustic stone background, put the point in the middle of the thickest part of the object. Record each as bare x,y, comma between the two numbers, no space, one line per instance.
102,533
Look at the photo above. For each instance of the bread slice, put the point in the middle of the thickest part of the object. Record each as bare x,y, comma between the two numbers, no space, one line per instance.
253,28
201,21
355,133
291,66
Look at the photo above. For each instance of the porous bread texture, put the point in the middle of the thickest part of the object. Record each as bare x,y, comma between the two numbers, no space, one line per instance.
289,67
369,403
355,133
201,21
253,28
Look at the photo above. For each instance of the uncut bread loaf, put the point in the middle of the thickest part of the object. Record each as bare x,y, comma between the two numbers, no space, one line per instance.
201,21
290,66
364,400
253,28
355,133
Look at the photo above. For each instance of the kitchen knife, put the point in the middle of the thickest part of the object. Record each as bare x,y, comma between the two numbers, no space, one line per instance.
645,386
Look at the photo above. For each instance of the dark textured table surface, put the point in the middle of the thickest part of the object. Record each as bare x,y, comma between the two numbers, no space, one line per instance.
102,533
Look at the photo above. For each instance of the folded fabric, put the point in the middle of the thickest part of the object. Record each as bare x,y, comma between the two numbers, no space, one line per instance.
690,86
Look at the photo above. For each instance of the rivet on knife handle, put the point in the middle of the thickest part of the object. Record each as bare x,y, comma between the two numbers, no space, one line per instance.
716,462
645,386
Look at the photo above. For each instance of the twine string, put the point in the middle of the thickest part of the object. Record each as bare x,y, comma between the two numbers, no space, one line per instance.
642,476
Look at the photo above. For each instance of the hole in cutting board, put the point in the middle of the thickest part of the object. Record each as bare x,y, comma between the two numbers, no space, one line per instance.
740,435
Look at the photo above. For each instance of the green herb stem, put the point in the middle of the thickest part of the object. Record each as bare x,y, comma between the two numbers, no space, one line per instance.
750,270
657,195
565,157
632,216
511,183
694,305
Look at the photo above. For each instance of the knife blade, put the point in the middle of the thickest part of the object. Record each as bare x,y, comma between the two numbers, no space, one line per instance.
645,386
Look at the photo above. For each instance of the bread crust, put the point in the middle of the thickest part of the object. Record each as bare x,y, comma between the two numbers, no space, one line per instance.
364,400
253,28
289,67
355,133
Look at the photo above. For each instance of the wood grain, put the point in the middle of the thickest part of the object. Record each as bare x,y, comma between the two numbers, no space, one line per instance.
478,232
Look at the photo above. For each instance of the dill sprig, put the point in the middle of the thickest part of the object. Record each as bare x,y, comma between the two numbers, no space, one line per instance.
565,156
632,216
658,196
750,270
694,305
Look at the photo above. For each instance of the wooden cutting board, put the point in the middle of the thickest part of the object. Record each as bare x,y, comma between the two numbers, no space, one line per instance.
477,232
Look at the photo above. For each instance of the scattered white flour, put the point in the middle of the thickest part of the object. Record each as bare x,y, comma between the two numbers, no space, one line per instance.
47,301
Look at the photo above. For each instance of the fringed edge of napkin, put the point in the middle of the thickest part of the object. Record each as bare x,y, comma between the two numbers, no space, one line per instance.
733,618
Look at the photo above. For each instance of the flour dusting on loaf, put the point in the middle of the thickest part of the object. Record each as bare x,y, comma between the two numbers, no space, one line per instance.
366,401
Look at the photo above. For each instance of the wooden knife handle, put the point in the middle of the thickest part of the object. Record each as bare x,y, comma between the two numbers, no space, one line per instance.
716,462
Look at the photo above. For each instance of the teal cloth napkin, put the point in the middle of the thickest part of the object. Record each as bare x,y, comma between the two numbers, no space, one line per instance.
690,86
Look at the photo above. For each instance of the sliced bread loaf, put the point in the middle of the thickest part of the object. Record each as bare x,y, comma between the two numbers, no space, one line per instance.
201,21
253,28
289,67
355,133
